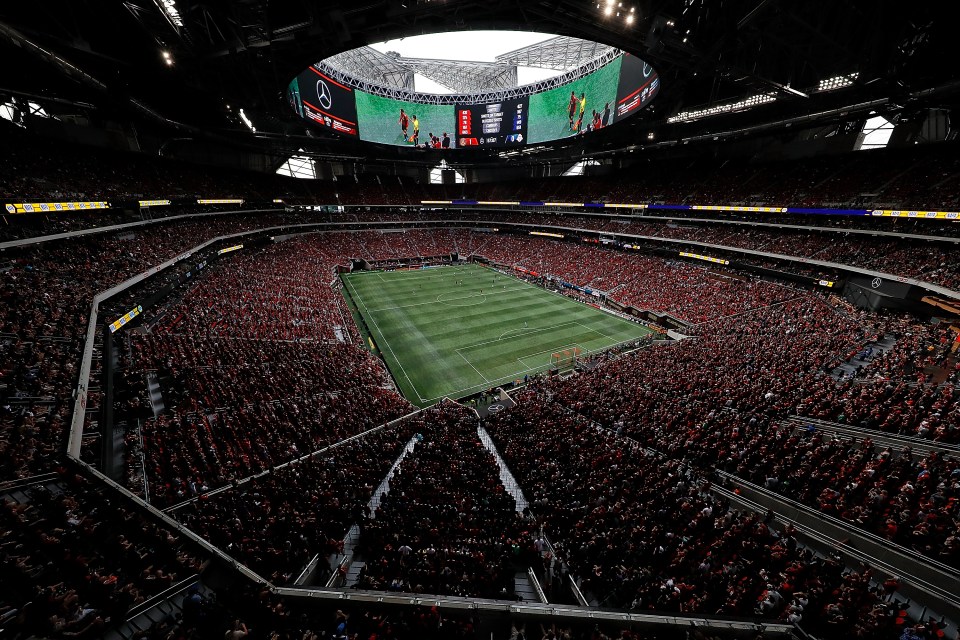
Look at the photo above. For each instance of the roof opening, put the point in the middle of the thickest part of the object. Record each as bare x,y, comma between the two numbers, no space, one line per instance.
877,131
299,167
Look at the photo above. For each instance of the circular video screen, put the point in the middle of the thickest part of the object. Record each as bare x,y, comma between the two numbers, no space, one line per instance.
553,88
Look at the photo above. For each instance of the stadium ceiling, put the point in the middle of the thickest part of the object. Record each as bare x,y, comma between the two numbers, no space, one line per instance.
226,54
393,70
561,53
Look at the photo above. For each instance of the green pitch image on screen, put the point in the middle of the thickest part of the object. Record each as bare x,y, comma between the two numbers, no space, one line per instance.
549,115
379,119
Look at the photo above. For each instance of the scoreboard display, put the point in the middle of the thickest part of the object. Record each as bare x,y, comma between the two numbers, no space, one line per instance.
501,124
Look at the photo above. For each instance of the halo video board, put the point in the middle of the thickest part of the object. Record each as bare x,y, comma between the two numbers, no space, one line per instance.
595,100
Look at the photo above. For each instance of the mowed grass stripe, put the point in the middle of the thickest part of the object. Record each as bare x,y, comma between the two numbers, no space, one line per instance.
440,338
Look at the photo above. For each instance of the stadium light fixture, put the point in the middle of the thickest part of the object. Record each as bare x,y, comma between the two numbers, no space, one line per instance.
168,58
837,82
740,105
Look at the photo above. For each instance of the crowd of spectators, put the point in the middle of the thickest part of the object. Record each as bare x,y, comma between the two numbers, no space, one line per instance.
240,395
917,178
260,363
276,522
250,612
921,259
683,290
51,171
644,532
46,291
74,560
716,399
446,525
45,170
260,368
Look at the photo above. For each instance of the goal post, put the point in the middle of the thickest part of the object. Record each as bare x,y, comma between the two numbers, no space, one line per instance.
566,358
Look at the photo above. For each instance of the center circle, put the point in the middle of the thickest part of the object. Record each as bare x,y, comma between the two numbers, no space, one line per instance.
455,300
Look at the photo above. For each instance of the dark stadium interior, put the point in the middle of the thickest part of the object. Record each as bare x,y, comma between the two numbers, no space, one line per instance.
200,436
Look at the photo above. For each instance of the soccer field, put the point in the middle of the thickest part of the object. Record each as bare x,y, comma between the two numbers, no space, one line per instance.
456,330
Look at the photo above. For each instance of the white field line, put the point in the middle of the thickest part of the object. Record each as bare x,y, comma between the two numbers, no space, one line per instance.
444,302
473,367
387,342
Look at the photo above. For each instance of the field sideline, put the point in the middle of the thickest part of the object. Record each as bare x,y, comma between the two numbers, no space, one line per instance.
455,330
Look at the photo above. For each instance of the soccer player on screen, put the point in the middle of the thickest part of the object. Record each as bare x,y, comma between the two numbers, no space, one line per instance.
415,138
572,108
404,123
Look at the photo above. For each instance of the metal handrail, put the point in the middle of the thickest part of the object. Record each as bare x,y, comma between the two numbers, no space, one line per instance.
164,595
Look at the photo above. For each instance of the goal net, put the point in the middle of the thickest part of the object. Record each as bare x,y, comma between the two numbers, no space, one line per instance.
565,359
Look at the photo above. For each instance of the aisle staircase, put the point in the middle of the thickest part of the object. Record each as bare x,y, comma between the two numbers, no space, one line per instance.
852,367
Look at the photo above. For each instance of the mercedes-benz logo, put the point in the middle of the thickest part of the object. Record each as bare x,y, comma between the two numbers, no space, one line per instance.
323,94
876,283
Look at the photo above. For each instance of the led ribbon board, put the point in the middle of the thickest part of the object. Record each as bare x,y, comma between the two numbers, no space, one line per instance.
125,318
697,256
931,215
47,207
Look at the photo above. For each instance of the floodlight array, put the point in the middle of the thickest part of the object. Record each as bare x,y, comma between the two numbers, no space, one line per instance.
837,82
615,8
740,105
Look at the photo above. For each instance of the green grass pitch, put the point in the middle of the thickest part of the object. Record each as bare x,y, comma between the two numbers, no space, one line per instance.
441,338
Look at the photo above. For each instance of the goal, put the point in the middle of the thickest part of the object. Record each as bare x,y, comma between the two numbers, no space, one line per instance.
565,359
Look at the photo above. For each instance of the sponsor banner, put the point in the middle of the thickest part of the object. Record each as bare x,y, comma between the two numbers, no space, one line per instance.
154,203
325,101
827,212
930,215
720,207
697,256
544,233
825,283
46,207
235,247
220,201
125,318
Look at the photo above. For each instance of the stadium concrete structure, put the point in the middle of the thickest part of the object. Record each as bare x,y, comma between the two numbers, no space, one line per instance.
665,346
